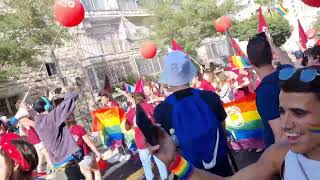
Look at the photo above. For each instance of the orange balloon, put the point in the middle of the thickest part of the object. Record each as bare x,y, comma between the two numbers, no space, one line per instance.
311,33
222,24
148,49
69,13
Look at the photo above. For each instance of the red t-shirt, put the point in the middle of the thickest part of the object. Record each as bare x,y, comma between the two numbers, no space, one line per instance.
77,132
138,136
32,136
206,85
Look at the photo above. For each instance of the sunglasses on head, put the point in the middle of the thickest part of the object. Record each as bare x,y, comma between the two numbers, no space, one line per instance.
306,75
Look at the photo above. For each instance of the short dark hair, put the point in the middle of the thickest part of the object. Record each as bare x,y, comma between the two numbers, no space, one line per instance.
294,84
39,105
259,51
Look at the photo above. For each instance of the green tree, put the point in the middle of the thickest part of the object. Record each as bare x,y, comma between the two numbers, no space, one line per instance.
27,29
189,22
278,27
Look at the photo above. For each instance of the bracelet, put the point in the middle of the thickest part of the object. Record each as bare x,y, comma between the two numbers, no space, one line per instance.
181,167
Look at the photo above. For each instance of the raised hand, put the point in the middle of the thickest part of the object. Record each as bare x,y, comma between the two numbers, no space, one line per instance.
166,149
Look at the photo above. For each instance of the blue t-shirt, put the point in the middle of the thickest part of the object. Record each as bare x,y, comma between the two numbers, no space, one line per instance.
268,102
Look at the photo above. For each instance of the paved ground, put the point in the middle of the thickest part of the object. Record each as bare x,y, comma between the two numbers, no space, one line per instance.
132,170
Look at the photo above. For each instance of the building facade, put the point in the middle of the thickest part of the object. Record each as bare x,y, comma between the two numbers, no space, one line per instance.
106,44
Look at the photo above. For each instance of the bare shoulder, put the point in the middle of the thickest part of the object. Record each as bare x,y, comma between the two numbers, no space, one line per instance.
275,155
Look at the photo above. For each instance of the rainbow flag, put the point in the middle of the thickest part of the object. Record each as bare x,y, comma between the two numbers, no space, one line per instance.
281,10
237,62
110,119
244,123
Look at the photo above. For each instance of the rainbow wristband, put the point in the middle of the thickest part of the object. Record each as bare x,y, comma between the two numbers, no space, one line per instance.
181,168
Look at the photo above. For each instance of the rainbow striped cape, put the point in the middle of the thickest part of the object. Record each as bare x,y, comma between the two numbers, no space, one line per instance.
244,123
109,121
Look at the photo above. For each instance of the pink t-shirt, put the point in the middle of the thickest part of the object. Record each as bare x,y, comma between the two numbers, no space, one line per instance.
77,132
139,137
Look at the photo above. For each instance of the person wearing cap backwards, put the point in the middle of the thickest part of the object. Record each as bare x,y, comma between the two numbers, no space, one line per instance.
18,158
297,157
194,118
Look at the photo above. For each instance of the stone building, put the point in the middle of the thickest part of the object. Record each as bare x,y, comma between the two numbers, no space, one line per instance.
106,44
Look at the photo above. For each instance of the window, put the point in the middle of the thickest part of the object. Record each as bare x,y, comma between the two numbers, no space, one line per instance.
8,105
51,69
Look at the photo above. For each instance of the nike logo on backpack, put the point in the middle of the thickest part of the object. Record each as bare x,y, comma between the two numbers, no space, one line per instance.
213,162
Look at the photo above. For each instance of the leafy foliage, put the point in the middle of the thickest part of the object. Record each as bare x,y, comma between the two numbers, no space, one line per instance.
27,29
316,24
189,22
278,27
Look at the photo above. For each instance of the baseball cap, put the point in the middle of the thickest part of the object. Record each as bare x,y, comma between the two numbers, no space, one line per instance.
178,69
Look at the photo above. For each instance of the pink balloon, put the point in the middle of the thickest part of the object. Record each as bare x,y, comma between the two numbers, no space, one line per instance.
69,13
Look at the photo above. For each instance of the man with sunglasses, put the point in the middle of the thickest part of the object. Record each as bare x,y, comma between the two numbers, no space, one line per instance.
297,157
260,52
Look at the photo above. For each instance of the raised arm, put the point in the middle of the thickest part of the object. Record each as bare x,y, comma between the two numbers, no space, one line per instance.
265,168
65,108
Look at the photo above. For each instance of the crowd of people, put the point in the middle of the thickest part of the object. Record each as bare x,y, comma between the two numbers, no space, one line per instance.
186,106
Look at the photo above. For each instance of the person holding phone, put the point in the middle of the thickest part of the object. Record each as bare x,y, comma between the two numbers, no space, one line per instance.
144,154
296,157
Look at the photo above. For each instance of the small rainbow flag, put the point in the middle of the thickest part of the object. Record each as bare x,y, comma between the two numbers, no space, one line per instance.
109,120
237,62
244,123
281,10
129,88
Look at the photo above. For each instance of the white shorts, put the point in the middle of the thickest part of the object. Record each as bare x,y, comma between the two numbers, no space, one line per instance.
87,162
39,146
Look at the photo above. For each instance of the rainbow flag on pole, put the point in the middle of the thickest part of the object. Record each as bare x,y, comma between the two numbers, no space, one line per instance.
244,123
237,62
281,10
110,119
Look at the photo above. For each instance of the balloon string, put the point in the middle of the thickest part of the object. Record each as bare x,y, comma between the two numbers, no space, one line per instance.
39,70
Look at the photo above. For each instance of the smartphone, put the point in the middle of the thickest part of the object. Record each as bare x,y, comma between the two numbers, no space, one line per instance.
149,131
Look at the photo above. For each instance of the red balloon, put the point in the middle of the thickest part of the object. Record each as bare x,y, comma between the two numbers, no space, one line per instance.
311,33
69,13
313,3
148,49
222,24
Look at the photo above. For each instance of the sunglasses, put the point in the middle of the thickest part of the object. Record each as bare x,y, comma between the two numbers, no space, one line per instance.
306,75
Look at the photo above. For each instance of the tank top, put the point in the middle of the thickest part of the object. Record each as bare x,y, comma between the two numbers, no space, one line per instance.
299,167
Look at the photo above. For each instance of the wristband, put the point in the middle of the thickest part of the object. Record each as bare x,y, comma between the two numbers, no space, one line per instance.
181,167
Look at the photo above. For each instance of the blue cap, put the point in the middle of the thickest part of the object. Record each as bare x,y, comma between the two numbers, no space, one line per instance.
178,69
